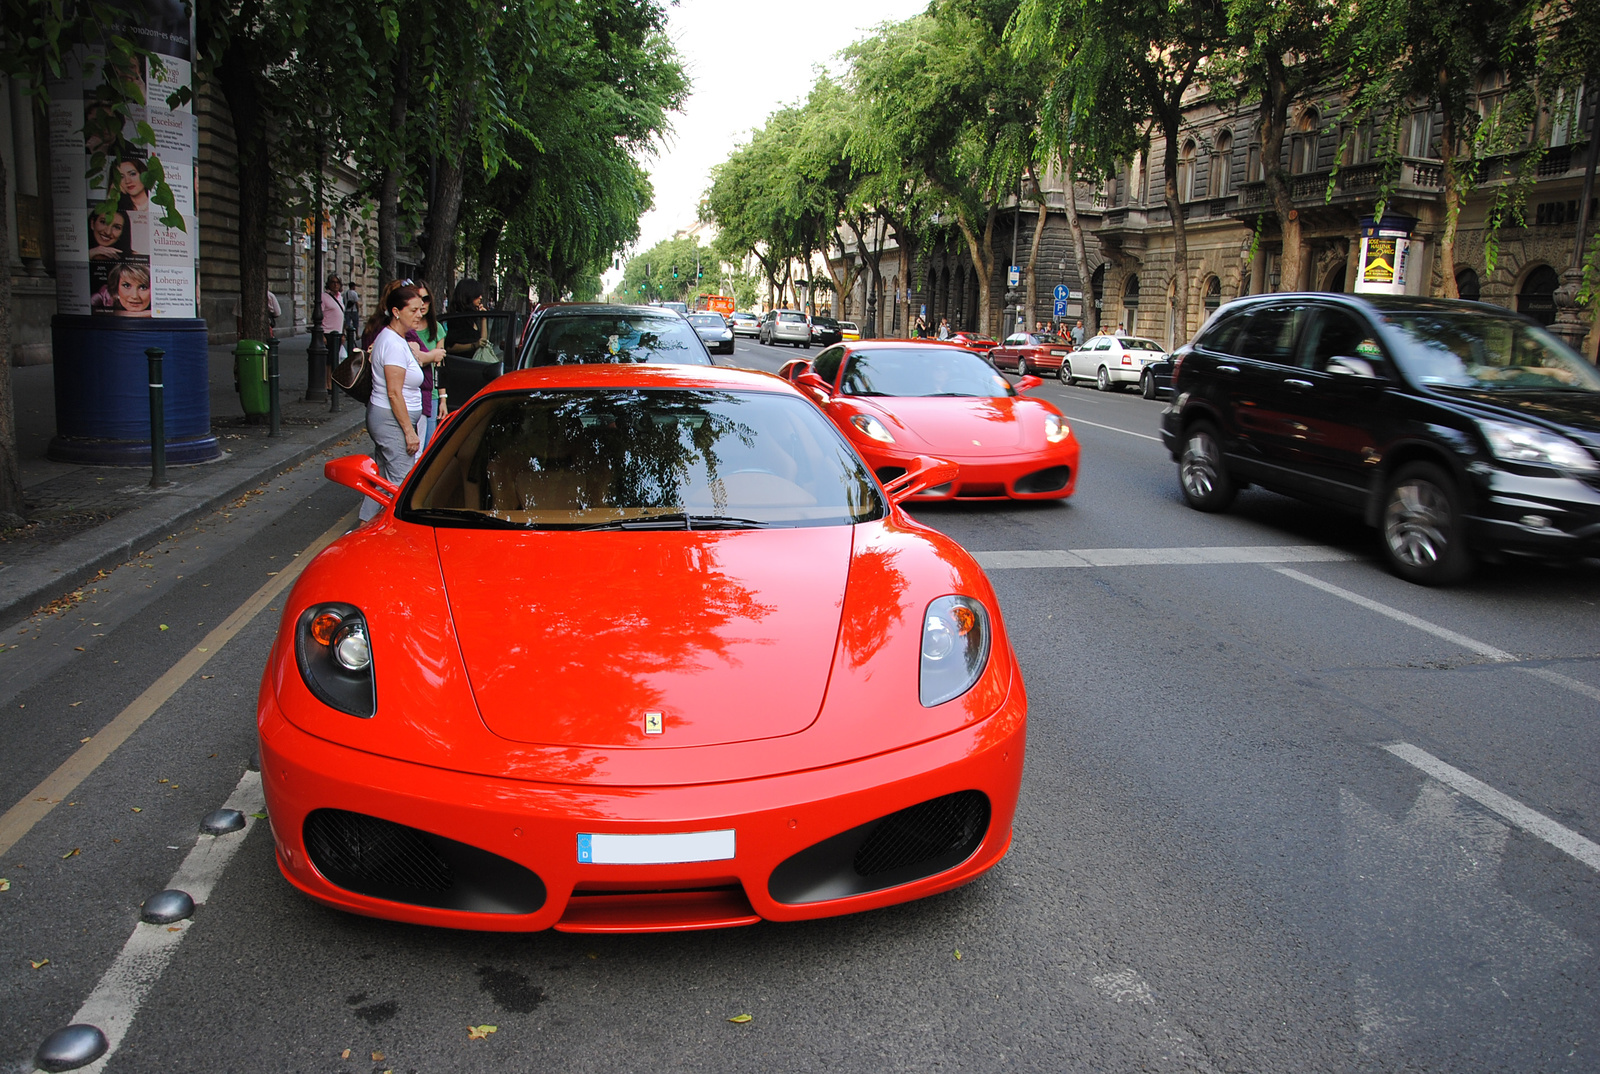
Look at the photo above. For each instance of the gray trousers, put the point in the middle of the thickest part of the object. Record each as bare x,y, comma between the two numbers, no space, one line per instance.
388,451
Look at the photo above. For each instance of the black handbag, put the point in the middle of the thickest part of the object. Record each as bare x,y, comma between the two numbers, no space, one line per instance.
353,375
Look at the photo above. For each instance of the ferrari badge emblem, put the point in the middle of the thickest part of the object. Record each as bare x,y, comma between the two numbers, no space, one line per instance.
976,444
652,723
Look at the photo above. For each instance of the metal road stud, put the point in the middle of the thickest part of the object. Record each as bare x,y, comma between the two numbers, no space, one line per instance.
222,821
165,907
71,1047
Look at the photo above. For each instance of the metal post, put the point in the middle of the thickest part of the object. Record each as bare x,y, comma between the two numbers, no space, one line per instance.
158,420
316,356
274,414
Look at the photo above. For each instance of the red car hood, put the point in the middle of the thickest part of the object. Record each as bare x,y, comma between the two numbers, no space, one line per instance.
570,639
963,426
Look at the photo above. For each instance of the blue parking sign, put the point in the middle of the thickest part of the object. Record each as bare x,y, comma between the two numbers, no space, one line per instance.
1061,304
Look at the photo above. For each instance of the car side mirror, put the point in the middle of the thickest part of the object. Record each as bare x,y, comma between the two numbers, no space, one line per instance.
808,379
361,473
924,473
1352,367
1029,382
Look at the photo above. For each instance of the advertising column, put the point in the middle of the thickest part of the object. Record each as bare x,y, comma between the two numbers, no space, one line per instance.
1385,255
127,254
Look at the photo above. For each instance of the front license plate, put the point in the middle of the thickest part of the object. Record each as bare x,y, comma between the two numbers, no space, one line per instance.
668,848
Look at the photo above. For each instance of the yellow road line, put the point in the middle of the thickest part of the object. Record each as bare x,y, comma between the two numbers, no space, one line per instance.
20,818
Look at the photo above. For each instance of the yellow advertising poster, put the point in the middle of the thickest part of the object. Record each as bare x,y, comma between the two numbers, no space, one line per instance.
1378,264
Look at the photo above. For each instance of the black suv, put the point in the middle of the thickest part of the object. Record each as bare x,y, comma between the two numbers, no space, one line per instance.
1454,427
825,331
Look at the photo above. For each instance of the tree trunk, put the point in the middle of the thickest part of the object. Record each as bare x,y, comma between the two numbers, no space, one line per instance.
1030,288
237,74
1080,252
1270,129
1453,197
444,212
488,258
11,503
389,187
1180,230
869,329
982,251
842,284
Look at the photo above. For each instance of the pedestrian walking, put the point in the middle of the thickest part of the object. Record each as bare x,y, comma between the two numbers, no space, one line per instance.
331,324
395,406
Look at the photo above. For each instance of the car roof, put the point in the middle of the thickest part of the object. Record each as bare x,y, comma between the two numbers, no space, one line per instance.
607,309
641,375
903,344
1377,303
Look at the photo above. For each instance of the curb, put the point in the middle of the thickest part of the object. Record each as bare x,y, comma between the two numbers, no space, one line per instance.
27,586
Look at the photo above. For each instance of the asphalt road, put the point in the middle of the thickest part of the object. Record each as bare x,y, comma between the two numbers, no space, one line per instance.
1227,857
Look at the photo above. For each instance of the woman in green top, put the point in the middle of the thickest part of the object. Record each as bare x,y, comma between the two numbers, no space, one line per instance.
431,332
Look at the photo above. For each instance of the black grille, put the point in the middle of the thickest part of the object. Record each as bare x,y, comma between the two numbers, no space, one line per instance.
926,830
1053,479
980,491
373,853
385,860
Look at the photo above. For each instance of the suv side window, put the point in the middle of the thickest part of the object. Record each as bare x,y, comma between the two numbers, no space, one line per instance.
1268,334
1340,335
827,364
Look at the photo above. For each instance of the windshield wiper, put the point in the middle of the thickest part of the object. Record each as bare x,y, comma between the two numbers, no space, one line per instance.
678,520
461,516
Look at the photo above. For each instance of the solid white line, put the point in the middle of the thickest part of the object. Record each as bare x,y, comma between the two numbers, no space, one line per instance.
1481,648
1559,679
1113,428
1531,821
1159,557
116,1000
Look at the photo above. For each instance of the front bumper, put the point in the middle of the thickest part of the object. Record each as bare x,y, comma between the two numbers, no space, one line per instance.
1033,476
1536,515
537,826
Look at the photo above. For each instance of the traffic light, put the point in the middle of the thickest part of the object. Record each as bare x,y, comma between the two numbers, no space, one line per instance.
698,274
674,271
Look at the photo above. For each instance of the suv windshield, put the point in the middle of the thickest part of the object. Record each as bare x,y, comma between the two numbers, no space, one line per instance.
922,371
637,458
616,337
1468,349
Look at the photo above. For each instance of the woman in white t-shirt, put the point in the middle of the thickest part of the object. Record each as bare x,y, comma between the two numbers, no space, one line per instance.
396,402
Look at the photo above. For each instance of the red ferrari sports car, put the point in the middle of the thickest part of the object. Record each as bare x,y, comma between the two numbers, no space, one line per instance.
639,648
900,399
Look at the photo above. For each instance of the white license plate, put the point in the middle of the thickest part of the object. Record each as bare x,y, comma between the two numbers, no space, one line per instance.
667,848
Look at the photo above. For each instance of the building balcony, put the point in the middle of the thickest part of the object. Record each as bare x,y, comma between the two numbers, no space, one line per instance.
1354,183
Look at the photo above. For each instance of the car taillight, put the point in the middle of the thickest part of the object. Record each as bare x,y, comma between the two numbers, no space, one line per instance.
1177,363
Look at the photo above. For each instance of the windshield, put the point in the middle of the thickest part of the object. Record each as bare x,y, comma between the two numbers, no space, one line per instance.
641,458
703,320
1468,349
611,337
922,371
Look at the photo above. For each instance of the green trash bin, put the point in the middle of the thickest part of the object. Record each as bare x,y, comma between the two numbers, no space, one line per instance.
250,376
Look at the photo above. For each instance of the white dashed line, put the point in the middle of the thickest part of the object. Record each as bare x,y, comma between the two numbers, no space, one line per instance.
1113,428
1531,821
1559,679
1160,557
1481,648
116,1000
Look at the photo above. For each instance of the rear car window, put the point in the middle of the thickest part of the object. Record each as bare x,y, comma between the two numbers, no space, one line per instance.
792,318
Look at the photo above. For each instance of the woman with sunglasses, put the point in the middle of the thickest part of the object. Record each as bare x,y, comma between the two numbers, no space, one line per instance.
429,349
395,406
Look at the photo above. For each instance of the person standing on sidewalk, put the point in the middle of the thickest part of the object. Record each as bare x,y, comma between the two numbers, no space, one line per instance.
396,403
352,315
332,323
429,351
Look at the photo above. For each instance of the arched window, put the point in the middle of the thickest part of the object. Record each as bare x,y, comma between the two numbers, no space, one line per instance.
1303,144
1537,299
1467,285
1130,303
1213,295
1097,287
1222,166
1186,171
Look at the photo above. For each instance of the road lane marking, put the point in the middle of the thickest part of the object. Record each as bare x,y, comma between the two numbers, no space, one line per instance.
1559,679
1481,648
1113,428
1160,557
20,818
1529,820
116,1000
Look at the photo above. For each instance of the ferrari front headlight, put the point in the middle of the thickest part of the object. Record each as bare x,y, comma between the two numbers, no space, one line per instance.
872,427
955,648
1056,428
334,653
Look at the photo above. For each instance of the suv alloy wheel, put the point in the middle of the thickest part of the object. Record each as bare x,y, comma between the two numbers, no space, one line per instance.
1066,372
1201,471
1422,526
1147,385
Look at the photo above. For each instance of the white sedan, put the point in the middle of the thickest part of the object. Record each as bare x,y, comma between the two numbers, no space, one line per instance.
1111,360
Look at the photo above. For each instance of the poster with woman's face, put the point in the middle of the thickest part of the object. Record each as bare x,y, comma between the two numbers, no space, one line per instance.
120,288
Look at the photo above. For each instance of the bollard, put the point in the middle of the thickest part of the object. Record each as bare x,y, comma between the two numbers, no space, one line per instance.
334,390
158,420
274,412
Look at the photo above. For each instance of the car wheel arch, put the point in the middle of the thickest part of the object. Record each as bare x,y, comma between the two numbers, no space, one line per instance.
1406,453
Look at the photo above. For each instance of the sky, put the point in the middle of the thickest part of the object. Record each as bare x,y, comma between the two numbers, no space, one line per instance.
745,61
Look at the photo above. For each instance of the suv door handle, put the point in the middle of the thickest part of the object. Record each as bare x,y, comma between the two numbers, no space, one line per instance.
1227,369
1297,384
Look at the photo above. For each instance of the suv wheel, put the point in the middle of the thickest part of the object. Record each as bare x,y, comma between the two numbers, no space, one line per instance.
1102,380
1201,471
1066,372
1421,522
1147,385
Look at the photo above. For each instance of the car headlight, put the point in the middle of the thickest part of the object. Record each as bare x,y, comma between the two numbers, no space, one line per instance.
872,427
334,652
1056,428
1535,447
955,648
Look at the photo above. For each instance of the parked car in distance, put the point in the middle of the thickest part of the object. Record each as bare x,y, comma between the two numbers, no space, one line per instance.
785,326
713,331
1455,428
745,324
680,308
825,331
1156,379
974,342
849,331
1030,352
584,333
1111,361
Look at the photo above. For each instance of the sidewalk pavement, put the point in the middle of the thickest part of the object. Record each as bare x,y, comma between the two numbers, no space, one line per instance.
83,519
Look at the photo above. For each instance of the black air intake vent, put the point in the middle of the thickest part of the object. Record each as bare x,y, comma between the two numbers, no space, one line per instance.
376,857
